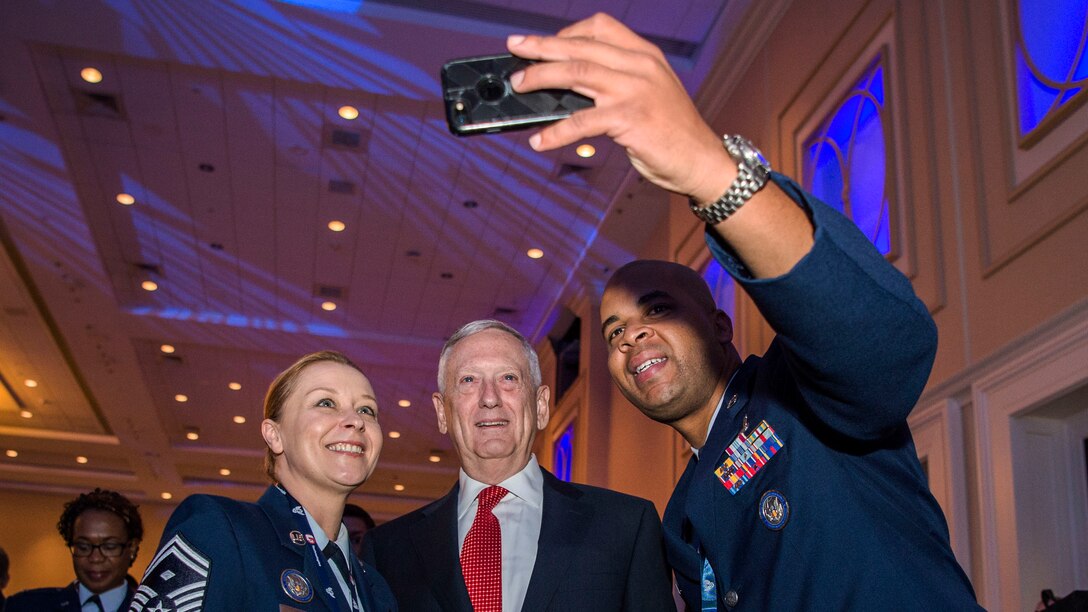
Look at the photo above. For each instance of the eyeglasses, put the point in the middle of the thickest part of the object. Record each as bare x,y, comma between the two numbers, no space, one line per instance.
108,549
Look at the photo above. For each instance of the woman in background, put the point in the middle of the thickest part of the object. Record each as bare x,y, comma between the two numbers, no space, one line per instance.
290,550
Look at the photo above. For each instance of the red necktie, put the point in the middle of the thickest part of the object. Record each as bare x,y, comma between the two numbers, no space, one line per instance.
481,555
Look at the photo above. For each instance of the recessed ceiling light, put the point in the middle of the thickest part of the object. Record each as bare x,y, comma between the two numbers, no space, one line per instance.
348,112
125,199
434,458
586,150
181,397
394,434
91,75
192,435
166,495
534,253
398,487
11,453
329,306
239,419
404,403
26,414
149,285
337,226
167,348
234,386
224,472
30,382
81,459
470,203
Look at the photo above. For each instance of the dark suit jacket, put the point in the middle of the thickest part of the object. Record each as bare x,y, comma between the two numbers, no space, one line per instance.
233,555
53,599
598,550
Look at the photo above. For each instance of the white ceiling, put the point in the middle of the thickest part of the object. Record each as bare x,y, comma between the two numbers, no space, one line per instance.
219,118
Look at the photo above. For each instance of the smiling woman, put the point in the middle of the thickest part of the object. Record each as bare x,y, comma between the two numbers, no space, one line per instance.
291,547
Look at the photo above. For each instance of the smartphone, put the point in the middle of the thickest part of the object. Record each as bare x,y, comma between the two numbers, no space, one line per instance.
479,99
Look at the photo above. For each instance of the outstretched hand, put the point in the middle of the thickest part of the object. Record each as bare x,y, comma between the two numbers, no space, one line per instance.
639,103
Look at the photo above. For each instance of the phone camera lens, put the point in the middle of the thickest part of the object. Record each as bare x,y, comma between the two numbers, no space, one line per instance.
491,88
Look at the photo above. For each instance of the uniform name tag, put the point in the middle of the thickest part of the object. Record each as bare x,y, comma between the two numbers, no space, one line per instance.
746,456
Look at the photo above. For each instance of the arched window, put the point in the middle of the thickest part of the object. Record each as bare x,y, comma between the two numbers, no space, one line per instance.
846,159
1051,59
563,453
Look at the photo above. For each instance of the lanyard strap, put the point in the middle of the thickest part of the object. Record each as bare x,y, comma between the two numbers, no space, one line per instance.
328,579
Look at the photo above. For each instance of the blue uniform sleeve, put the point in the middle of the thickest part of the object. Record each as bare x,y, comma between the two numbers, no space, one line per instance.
857,340
198,563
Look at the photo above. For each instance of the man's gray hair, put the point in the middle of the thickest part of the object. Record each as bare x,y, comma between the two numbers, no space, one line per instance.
476,327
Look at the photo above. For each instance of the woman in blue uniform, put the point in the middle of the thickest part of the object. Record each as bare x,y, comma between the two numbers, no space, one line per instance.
290,550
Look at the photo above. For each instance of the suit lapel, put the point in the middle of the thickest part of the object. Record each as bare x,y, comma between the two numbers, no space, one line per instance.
434,537
563,526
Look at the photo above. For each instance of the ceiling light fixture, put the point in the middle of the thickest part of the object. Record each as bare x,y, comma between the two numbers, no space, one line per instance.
586,150
239,419
534,253
181,398
30,382
91,75
337,226
434,458
26,414
394,434
166,495
149,285
404,403
398,487
192,434
125,199
348,112
224,472
81,459
11,453
234,386
329,306
167,349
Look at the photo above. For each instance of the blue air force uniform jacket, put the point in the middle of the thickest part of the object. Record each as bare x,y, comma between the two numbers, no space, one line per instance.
220,554
52,599
839,517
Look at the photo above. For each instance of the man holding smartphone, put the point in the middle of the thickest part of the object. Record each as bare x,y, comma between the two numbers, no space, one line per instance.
805,490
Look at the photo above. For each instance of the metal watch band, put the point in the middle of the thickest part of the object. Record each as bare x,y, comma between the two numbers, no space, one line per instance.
752,172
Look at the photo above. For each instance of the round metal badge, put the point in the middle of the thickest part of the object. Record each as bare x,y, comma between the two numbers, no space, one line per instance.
774,510
296,586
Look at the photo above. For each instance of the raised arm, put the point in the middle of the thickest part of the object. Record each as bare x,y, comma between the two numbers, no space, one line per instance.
642,105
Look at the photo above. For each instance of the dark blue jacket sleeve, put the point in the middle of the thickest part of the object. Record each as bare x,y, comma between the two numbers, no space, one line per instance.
856,338
199,559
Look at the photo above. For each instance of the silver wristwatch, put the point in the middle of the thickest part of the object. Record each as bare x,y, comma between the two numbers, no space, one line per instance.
752,172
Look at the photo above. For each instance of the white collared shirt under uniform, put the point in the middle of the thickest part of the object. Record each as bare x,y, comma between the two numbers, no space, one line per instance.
111,599
343,542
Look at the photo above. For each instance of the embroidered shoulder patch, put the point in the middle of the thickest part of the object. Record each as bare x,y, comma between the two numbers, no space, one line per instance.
176,579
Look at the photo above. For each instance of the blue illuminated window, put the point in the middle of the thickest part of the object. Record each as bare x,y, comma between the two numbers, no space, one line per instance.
564,454
846,160
1051,60
721,286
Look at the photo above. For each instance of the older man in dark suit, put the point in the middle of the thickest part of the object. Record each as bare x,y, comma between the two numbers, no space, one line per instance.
509,535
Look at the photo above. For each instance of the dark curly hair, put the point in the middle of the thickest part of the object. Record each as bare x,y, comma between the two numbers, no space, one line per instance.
100,499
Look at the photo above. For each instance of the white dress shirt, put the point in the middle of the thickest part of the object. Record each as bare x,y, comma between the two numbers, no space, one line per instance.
343,541
111,599
519,515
